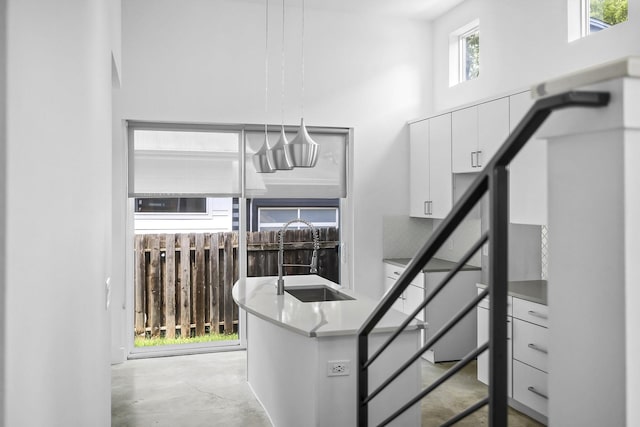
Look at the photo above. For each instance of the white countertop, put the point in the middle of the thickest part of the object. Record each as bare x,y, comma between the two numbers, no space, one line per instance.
257,295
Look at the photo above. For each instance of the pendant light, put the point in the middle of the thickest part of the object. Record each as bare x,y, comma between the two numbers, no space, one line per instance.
279,154
262,158
302,150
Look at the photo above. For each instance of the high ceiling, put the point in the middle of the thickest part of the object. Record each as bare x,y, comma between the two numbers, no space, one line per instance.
418,9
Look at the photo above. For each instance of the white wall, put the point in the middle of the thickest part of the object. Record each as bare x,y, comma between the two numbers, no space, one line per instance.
57,213
3,165
203,61
523,43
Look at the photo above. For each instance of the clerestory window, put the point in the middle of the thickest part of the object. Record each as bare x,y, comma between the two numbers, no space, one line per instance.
464,53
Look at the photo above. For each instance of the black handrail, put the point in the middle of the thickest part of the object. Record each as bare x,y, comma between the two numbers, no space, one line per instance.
494,178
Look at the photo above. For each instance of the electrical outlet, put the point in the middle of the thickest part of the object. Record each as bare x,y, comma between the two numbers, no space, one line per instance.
338,367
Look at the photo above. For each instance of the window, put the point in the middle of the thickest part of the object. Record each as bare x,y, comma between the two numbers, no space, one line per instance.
469,44
187,205
185,214
464,53
591,16
603,14
275,218
272,214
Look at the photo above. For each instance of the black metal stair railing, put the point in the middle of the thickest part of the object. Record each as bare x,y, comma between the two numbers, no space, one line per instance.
494,179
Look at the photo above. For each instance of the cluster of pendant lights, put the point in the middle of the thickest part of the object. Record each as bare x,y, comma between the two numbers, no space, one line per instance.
301,151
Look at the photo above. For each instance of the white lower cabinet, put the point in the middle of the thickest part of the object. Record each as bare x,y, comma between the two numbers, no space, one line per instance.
458,292
483,337
530,387
527,354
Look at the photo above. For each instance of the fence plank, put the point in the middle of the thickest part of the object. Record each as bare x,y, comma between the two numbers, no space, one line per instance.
154,297
140,280
198,295
228,283
214,269
185,284
170,287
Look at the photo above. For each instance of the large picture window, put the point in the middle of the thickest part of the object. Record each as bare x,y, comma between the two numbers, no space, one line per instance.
192,192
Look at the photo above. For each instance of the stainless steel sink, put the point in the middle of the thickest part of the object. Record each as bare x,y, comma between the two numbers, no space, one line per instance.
317,294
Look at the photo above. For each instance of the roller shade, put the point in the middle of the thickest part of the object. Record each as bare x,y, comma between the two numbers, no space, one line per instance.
204,160
167,161
328,179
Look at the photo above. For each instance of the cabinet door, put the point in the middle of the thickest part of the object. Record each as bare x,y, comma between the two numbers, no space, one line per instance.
483,337
464,139
493,129
528,171
419,169
440,178
391,274
414,296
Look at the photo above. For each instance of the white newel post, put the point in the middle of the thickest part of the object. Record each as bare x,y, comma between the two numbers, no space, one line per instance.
594,251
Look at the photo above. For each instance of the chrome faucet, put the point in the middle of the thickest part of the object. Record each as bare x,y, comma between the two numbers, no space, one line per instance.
313,267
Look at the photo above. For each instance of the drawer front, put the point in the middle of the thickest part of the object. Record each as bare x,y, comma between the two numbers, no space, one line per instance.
484,303
392,271
530,387
530,344
531,312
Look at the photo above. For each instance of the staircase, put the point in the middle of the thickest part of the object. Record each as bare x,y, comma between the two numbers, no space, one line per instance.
494,180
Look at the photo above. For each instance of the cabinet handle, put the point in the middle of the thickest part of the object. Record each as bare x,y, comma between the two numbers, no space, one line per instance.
536,348
533,390
538,315
427,207
472,165
396,273
478,165
430,207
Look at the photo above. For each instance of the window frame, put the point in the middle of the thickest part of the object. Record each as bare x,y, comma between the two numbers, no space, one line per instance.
457,52
463,49
579,20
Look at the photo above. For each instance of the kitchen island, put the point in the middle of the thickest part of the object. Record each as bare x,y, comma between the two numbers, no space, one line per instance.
302,360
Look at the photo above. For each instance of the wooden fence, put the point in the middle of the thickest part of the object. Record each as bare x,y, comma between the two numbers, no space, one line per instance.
180,290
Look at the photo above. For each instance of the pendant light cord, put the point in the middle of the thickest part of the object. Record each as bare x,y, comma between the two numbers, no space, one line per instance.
302,55
282,69
266,67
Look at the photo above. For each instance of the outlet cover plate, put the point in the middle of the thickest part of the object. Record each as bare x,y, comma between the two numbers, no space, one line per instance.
337,368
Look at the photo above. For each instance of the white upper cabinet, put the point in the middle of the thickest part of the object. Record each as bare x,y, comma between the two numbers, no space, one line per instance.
528,171
464,140
419,168
478,132
440,166
430,185
493,128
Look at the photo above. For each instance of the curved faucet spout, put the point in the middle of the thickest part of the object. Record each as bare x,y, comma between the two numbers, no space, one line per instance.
313,266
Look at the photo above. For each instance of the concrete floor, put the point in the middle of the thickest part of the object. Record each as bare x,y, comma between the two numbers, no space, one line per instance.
211,390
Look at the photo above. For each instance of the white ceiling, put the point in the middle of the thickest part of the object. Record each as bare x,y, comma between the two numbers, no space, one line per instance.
416,9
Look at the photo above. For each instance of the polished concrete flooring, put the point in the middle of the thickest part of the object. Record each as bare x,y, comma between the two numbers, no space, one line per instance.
211,390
